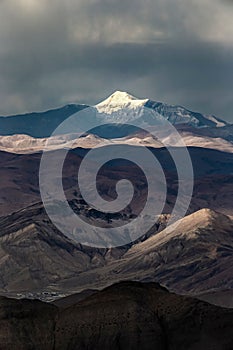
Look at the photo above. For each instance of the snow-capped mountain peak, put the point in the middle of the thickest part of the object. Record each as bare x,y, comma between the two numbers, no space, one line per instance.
121,96
120,100
119,108
124,107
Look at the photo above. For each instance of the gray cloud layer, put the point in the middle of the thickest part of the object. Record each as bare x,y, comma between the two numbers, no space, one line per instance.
54,52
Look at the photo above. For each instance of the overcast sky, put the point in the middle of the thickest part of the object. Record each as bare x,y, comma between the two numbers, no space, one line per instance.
54,52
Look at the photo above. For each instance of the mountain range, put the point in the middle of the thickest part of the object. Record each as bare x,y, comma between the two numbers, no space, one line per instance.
28,133
192,258
122,106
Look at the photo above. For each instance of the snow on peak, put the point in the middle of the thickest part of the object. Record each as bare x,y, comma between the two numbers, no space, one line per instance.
121,96
119,100
124,107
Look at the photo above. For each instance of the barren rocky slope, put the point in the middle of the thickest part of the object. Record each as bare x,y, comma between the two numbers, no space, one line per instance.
193,258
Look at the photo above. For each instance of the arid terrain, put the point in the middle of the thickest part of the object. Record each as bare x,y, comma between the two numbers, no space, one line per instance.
122,297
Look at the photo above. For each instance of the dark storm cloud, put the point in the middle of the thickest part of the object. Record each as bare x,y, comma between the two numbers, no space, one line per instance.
56,52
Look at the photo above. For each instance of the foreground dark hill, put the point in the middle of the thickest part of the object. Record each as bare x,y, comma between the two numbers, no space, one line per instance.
26,325
125,316
136,316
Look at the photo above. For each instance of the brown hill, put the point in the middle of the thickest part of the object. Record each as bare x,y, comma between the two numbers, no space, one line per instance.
213,180
193,258
127,315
